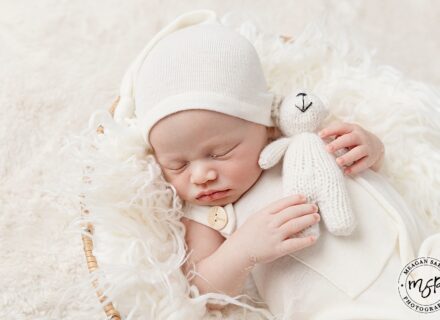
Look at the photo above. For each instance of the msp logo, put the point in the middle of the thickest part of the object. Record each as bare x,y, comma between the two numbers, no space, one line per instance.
419,285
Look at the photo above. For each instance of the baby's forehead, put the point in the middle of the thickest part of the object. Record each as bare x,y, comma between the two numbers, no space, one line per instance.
198,126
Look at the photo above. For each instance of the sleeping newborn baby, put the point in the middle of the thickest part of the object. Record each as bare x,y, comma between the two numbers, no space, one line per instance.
204,109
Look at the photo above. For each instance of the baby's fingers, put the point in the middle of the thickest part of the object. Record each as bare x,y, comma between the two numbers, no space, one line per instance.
291,213
359,166
336,128
344,141
298,224
353,155
284,203
291,245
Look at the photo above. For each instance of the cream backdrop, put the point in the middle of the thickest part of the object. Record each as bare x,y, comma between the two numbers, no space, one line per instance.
62,60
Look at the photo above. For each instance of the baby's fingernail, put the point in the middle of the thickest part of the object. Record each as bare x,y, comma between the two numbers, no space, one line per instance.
321,133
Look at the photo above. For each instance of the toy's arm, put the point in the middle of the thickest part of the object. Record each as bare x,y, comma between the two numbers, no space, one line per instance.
273,152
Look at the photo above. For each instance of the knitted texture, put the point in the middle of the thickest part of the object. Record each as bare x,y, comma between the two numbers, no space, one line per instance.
307,167
196,63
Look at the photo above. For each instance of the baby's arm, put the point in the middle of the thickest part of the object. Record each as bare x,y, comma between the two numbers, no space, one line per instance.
217,260
223,265
366,150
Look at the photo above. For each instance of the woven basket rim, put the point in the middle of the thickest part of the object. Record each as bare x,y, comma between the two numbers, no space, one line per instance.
86,236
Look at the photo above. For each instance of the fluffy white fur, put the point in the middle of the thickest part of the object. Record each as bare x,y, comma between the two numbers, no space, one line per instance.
138,237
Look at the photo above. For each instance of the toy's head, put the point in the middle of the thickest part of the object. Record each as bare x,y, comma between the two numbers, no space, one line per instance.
301,112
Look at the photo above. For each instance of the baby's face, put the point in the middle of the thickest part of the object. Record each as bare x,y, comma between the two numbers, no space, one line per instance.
201,150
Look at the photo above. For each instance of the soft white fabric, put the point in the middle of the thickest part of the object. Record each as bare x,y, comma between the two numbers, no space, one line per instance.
126,104
196,63
351,277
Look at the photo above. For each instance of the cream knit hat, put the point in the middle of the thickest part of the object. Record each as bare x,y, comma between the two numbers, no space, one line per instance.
196,63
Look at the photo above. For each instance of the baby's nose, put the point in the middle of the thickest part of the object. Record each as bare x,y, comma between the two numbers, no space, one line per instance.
202,175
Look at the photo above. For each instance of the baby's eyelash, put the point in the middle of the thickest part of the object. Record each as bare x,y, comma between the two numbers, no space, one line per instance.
178,168
213,156
221,155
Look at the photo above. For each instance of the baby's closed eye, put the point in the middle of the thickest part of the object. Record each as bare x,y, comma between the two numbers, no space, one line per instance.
180,165
176,168
223,153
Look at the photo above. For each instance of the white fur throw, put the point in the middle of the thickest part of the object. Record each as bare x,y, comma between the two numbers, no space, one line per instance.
138,237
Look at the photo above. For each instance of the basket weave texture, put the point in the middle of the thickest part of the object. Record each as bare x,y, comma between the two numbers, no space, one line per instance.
86,236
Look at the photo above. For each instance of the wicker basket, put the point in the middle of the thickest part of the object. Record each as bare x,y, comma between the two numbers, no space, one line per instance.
86,236
88,229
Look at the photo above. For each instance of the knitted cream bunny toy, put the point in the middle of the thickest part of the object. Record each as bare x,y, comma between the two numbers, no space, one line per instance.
307,167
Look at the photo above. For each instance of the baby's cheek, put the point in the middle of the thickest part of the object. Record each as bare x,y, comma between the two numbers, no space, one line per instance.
179,185
244,171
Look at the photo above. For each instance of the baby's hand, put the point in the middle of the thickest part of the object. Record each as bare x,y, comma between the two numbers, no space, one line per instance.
267,235
365,149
